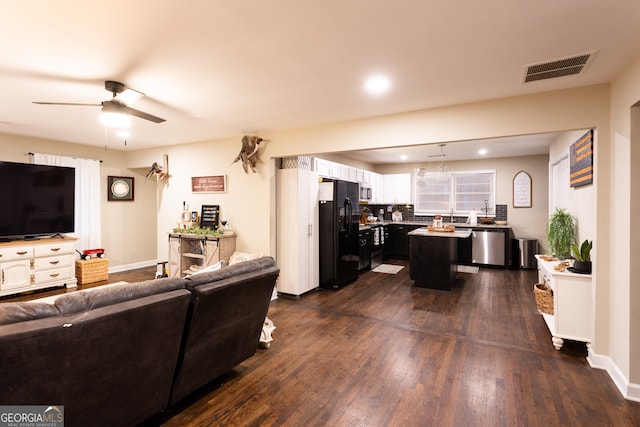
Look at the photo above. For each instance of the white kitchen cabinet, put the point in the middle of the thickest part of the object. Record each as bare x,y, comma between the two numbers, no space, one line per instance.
40,264
322,168
297,225
396,188
375,180
573,309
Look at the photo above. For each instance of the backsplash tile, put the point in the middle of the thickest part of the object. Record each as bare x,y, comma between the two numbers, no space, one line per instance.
501,212
409,215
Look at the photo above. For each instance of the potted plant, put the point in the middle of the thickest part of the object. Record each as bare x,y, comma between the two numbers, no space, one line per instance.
582,255
561,233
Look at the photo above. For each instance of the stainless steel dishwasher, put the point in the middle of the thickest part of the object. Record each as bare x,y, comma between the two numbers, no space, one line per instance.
488,247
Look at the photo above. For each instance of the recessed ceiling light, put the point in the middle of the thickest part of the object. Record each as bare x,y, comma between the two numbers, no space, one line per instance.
482,151
377,85
403,157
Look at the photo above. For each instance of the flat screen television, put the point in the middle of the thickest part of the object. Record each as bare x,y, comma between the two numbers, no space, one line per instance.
37,200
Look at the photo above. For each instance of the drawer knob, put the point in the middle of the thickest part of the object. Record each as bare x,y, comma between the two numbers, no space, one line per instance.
54,275
54,262
55,249
22,253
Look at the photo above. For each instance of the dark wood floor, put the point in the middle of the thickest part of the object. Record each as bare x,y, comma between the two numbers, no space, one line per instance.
381,352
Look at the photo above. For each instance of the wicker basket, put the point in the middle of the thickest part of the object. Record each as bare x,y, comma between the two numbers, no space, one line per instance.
544,298
93,270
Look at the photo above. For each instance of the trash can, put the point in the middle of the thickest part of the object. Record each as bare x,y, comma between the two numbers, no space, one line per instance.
525,249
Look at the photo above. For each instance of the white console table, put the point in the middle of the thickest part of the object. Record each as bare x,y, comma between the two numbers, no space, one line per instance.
37,264
572,304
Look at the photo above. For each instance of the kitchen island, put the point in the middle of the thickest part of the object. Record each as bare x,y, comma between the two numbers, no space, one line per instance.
433,257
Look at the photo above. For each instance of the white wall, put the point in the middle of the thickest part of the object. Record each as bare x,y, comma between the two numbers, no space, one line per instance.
245,204
128,228
624,328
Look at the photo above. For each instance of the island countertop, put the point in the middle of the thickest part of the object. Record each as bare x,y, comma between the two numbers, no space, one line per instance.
423,231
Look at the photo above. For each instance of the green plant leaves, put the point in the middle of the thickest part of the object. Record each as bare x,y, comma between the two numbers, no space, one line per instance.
583,253
561,233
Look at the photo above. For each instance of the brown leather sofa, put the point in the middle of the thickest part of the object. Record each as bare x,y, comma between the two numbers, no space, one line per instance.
119,354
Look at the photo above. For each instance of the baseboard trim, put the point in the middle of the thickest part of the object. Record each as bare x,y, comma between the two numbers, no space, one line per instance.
629,391
133,266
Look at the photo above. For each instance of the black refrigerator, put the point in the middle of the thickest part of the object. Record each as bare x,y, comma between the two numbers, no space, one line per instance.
339,218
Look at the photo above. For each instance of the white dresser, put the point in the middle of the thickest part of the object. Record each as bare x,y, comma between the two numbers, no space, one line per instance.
45,263
572,304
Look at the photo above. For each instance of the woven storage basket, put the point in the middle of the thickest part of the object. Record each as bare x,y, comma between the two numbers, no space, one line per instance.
544,298
93,270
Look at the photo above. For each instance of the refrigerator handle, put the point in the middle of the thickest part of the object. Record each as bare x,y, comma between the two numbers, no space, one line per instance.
349,214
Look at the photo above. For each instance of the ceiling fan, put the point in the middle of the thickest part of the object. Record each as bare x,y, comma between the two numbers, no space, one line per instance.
118,104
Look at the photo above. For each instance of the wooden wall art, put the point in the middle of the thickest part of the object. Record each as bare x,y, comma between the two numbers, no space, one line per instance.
209,184
581,161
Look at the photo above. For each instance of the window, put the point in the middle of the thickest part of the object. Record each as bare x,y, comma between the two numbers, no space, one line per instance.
435,193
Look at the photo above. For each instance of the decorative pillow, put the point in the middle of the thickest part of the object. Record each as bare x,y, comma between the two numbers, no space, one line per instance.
213,267
242,256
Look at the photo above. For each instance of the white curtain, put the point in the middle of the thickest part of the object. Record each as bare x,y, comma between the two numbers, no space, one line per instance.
87,200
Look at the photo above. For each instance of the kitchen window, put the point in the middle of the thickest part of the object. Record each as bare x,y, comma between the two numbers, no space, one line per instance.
437,193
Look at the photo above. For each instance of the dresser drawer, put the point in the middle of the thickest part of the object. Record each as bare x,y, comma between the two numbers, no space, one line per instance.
54,248
10,253
49,262
54,275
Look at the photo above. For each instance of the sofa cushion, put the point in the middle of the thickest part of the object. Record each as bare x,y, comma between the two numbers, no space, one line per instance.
232,270
103,296
86,299
14,312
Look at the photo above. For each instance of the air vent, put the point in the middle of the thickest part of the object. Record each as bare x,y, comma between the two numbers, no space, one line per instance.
557,68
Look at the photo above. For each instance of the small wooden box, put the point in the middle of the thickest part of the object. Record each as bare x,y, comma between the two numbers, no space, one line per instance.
93,270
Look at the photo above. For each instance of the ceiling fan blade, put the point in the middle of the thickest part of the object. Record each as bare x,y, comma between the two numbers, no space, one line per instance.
146,116
67,103
128,96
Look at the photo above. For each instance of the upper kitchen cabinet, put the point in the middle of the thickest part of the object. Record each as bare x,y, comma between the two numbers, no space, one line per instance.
375,181
396,188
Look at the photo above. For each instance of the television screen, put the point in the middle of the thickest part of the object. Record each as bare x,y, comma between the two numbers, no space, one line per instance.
38,200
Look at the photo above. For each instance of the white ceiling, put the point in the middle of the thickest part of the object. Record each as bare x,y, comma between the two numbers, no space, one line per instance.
216,68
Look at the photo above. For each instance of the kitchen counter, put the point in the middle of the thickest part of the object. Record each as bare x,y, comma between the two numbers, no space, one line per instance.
433,257
425,223
425,232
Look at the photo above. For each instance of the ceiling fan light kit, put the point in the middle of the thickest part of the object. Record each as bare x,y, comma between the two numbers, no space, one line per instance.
115,119
116,111
115,114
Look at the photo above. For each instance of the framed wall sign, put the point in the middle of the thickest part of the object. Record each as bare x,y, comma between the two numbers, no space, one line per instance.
209,184
522,190
120,188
